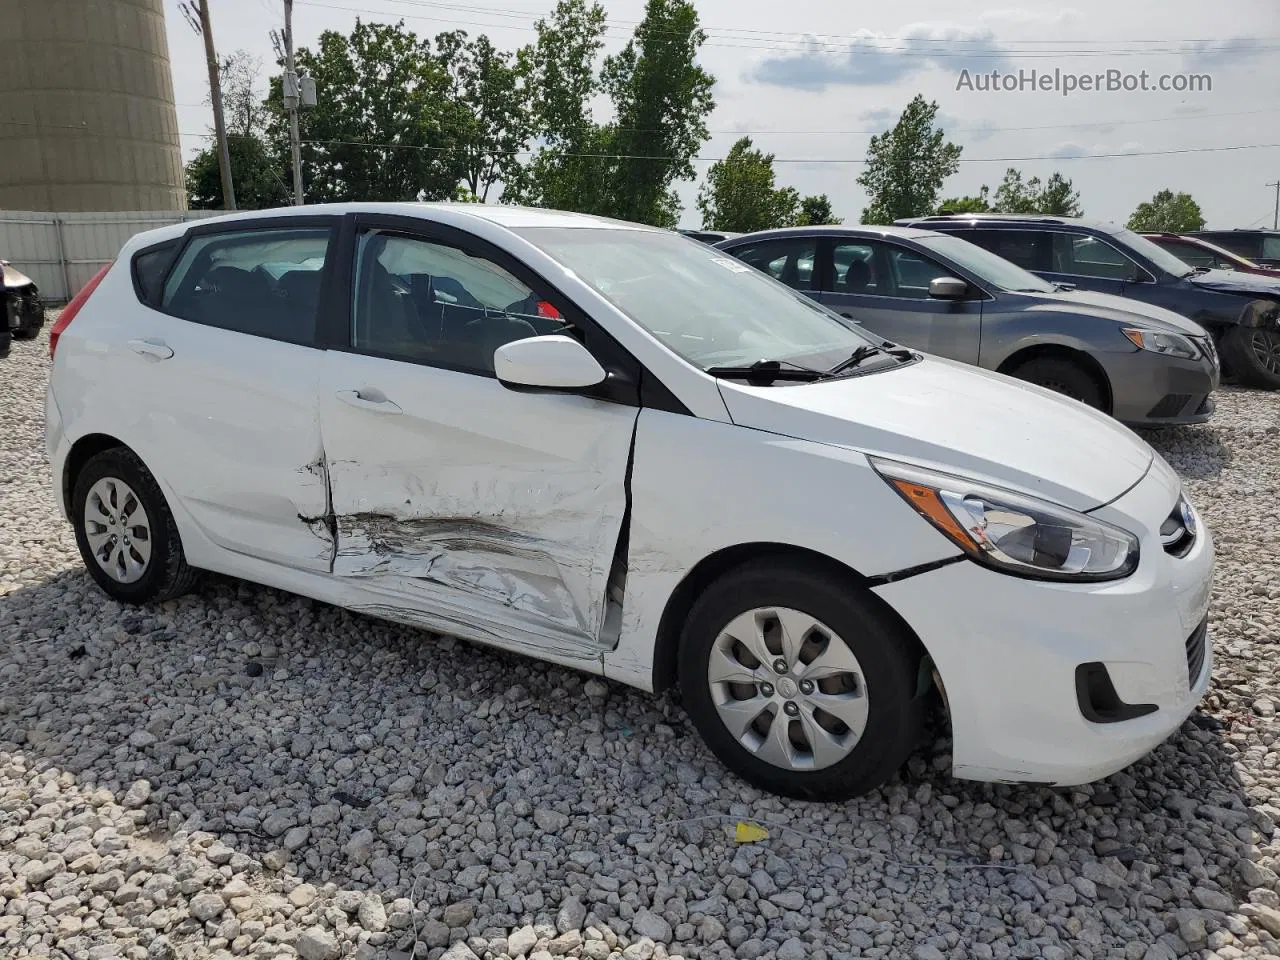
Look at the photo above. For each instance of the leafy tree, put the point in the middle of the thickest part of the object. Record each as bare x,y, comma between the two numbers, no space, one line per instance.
816,211
980,203
243,107
1167,212
254,171
739,193
490,108
661,99
385,127
907,165
1056,197
558,69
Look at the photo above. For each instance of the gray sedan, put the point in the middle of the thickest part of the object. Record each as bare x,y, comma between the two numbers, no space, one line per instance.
1143,364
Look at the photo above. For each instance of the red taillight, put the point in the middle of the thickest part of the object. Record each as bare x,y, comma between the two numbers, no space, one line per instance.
547,310
71,309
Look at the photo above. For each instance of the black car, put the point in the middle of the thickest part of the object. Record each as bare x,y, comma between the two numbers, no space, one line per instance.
1241,311
1260,246
22,310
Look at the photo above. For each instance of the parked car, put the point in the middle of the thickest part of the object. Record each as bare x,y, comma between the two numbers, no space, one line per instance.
1242,312
934,292
709,236
1259,245
23,311
1203,255
598,444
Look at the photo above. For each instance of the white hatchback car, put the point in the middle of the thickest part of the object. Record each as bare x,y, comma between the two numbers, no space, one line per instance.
621,450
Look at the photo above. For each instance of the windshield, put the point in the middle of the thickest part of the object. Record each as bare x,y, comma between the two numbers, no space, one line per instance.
706,306
1161,257
987,266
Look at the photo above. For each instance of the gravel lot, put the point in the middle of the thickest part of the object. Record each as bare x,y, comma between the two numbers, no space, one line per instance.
242,772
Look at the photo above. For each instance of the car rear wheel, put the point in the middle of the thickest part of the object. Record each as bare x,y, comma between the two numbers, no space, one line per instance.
1065,377
1252,356
799,682
126,532
28,331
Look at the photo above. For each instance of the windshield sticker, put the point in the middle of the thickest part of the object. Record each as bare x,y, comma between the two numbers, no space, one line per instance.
737,266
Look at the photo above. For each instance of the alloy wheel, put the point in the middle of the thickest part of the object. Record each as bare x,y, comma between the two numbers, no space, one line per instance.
1266,347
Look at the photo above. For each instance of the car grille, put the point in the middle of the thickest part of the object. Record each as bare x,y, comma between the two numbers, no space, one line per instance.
1196,645
1207,348
1176,536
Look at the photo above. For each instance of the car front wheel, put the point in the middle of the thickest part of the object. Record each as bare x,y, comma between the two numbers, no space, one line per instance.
1252,356
799,681
125,530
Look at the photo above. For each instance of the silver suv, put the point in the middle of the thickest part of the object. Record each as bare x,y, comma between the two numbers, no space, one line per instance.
1142,364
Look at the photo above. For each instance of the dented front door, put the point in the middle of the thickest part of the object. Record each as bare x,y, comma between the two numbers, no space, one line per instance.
473,509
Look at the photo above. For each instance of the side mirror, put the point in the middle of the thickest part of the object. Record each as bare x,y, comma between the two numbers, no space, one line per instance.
554,362
948,288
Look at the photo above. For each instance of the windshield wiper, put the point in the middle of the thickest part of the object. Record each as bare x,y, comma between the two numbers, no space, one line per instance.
866,352
767,371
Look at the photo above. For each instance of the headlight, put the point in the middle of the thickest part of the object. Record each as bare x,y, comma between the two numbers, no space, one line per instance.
1011,532
1169,344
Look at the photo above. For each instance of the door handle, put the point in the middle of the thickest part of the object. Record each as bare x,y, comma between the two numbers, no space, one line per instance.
152,349
354,399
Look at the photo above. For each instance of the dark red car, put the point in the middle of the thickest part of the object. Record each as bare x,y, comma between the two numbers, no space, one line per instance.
1196,252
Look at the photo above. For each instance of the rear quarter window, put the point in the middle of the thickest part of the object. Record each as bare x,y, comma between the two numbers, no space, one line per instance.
150,267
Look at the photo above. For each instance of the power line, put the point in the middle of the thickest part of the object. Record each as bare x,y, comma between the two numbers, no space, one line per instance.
801,43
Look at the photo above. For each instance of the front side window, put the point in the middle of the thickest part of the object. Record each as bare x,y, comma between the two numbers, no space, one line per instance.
791,260
1271,247
913,272
703,304
430,302
1083,255
1188,253
264,282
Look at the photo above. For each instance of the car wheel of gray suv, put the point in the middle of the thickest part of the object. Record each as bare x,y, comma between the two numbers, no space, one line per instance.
1252,356
125,530
799,681
1065,377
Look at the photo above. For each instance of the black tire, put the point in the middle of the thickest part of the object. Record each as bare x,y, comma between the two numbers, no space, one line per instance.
28,331
166,573
1063,376
1243,350
886,654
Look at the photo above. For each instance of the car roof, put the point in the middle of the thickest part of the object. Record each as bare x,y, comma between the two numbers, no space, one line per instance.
1000,219
837,230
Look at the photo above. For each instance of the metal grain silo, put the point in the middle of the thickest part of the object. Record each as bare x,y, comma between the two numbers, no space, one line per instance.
87,119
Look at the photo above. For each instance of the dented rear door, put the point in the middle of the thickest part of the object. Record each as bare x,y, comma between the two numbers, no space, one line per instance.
465,506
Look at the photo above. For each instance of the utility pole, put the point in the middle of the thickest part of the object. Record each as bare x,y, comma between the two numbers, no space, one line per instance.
292,97
1275,219
204,27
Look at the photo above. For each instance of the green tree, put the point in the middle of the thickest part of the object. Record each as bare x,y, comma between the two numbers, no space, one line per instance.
1056,197
385,127
816,211
739,193
254,171
558,69
1167,212
490,108
661,99
906,166
978,203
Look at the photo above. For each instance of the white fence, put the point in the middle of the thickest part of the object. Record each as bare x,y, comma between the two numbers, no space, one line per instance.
62,251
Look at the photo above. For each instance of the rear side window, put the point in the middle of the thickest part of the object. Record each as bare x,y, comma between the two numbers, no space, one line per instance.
792,260
1088,256
1029,249
150,267
264,282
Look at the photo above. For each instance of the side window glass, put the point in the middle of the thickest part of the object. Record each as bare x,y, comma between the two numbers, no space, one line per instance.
1189,254
149,269
1088,256
263,282
432,303
912,273
1270,247
792,260
1029,249
854,269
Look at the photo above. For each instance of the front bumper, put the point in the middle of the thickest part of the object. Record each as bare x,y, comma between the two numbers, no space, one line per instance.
1007,651
1150,390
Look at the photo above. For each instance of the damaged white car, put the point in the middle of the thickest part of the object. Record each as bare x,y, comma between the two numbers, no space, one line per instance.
620,450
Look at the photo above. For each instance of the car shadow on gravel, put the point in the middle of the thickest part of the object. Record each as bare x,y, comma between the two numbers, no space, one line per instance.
374,756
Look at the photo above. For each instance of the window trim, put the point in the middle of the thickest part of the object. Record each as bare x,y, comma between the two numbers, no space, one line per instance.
317,221
626,381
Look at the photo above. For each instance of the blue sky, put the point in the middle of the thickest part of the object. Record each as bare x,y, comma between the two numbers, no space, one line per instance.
810,80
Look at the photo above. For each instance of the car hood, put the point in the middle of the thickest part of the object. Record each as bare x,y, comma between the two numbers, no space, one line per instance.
13,279
958,419
1119,309
1233,281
